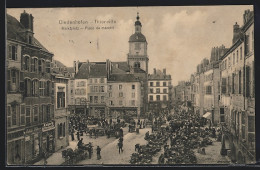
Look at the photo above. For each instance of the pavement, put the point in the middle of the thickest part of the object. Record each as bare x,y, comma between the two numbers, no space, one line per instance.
107,145
213,155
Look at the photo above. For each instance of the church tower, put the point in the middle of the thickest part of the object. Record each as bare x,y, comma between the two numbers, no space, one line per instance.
137,57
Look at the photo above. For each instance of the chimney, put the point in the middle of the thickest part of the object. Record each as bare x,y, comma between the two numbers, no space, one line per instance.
164,71
154,71
236,31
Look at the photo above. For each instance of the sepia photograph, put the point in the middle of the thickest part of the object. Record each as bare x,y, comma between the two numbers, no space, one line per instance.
140,85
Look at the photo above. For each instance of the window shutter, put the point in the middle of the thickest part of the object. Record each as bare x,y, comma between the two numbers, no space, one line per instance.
8,80
247,81
52,111
9,51
21,82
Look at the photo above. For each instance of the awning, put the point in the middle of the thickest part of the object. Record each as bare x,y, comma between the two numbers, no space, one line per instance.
207,115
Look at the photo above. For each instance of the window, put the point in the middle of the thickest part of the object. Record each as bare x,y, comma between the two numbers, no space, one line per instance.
164,90
110,102
237,56
102,99
208,90
26,63
60,99
110,94
42,88
14,115
164,83
12,52
48,66
240,82
96,80
90,80
133,102
151,90
102,89
92,89
34,87
120,94
40,66
229,61
110,87
34,66
95,99
157,83
247,44
91,99
120,102
158,97
164,97
234,58
133,86
28,115
63,130
151,98
22,115
157,90
120,87
102,80
35,113
137,65
151,84
251,123
95,88
9,116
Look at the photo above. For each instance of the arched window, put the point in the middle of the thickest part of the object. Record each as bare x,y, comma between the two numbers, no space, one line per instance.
26,62
35,87
137,65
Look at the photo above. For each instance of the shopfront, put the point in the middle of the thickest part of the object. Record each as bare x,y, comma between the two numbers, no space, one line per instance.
15,147
32,143
48,135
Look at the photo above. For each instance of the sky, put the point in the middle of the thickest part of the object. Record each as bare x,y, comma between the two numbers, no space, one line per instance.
178,37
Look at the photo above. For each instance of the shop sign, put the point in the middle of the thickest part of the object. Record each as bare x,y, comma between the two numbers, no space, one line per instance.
48,126
32,130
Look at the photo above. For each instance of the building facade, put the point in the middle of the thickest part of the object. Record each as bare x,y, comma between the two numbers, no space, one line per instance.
29,90
237,93
159,96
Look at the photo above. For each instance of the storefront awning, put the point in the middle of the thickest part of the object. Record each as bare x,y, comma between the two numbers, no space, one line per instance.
207,115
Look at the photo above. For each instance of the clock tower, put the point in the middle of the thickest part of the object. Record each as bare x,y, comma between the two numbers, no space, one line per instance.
137,57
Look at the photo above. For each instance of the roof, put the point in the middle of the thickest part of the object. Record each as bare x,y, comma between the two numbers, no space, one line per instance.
137,37
159,76
119,67
58,63
83,72
98,70
15,31
139,70
123,78
70,69
91,70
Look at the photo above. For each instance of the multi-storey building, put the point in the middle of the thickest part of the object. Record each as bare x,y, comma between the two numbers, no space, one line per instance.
159,91
124,95
237,93
60,77
29,90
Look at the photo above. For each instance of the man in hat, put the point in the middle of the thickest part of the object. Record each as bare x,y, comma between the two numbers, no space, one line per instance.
98,152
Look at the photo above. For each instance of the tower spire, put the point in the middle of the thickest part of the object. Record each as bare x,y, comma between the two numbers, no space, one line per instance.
137,17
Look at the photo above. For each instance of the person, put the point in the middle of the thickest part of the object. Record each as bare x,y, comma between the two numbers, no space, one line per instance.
98,153
80,143
90,150
121,131
72,136
120,147
78,136
129,128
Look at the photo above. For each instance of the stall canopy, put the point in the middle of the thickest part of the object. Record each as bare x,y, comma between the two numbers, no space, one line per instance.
207,115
